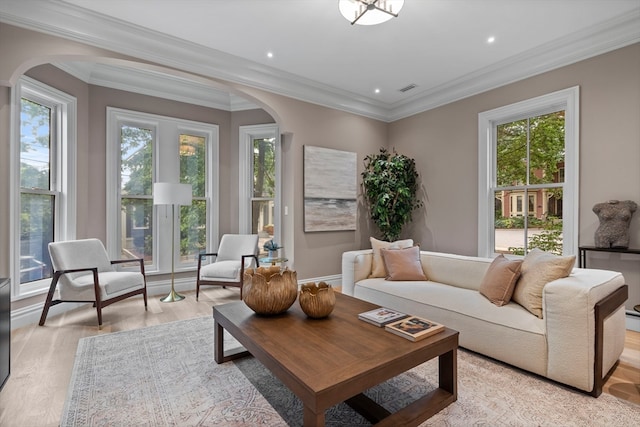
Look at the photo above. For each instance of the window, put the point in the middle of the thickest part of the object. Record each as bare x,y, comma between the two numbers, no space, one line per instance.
259,180
528,174
44,211
143,149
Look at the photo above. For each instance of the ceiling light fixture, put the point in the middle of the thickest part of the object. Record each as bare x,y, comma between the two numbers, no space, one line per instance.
369,12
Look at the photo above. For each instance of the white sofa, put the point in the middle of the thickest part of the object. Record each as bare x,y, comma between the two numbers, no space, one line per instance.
576,342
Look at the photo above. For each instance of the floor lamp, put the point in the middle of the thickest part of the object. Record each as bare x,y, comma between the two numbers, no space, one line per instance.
167,193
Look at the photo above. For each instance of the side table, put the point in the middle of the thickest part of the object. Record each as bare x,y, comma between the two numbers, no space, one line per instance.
582,259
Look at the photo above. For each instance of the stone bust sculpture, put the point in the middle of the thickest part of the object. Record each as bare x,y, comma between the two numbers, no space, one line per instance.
615,217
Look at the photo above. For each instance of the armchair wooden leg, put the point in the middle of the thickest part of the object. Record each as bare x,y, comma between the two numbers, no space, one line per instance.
197,290
99,310
47,303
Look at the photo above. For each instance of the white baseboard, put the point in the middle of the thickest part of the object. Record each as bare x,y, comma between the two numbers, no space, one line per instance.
633,320
334,280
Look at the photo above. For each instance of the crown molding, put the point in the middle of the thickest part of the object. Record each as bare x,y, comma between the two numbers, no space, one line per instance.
155,84
72,22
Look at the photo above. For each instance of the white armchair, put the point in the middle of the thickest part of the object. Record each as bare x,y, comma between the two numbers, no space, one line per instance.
84,273
235,253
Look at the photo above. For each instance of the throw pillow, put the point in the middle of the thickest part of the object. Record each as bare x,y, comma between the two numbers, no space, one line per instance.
377,266
538,269
403,264
500,280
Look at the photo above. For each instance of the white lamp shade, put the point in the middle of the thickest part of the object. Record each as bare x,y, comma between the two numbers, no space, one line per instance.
169,193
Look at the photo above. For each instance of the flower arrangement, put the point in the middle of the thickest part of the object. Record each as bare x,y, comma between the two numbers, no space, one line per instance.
271,246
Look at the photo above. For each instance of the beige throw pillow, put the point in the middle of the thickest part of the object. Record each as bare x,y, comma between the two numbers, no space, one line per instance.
500,280
538,269
403,264
377,266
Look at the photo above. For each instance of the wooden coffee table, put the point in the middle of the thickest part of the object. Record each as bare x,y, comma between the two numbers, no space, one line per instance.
332,360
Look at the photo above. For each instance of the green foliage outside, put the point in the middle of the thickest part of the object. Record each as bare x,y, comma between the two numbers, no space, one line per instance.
549,240
390,182
545,135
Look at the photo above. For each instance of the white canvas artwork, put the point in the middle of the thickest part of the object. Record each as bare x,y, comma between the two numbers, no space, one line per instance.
330,189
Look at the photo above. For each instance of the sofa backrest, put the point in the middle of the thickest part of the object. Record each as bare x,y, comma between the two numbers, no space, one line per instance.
456,270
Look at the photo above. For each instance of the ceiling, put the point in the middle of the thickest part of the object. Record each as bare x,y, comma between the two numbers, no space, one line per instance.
440,46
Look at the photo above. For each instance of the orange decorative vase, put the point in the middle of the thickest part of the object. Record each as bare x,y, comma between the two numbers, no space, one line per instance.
268,290
317,301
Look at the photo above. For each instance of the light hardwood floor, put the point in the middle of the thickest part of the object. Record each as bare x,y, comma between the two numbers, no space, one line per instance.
42,357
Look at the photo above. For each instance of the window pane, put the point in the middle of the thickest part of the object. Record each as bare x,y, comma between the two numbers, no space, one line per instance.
546,148
35,145
545,224
193,230
262,220
511,155
36,231
540,228
192,163
137,222
264,167
136,160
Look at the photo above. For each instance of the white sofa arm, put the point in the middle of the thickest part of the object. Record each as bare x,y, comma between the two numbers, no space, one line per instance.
356,266
569,310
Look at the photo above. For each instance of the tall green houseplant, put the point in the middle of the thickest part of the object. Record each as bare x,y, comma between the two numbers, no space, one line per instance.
390,182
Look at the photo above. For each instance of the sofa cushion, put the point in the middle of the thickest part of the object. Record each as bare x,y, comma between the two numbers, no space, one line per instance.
377,267
500,280
403,264
538,269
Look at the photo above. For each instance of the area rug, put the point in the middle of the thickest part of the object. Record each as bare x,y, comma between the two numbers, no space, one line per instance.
165,375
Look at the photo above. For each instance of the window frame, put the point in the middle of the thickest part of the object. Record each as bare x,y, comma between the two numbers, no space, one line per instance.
245,192
567,100
164,170
64,169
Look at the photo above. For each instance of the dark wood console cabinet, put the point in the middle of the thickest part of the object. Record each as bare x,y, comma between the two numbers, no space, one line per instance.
5,330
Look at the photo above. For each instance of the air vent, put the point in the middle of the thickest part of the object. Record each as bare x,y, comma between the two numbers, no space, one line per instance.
408,87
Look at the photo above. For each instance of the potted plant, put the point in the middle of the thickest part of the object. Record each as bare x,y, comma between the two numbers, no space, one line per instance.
390,182
272,248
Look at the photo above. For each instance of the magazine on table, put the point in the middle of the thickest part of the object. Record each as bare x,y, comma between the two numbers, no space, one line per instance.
414,328
381,316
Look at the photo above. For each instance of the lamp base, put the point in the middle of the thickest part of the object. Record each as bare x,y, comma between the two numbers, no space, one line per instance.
172,297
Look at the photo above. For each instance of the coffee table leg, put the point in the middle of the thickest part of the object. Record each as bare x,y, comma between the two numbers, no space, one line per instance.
448,372
311,419
218,342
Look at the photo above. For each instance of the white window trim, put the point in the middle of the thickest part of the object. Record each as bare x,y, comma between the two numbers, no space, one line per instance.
245,155
66,158
116,117
567,99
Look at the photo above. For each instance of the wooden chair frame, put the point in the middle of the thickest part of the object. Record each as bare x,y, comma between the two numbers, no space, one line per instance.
98,303
224,284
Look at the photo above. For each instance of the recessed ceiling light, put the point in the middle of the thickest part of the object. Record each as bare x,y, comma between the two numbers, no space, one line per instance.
491,39
269,54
